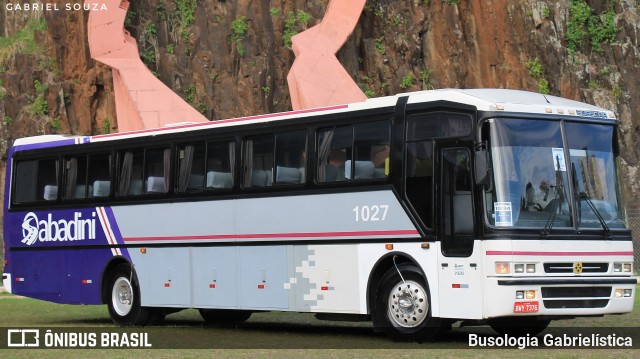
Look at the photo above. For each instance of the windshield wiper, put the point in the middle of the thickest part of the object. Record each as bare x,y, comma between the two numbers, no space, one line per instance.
552,217
585,196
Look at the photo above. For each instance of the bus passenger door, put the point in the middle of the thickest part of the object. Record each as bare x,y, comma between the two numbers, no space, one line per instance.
459,263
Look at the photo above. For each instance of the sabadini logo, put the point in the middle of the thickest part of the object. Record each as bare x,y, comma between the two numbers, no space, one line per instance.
76,229
29,230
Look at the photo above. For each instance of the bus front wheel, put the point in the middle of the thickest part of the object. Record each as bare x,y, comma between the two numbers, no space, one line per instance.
403,306
124,301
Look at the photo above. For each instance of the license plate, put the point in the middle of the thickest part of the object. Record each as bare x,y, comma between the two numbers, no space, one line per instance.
525,307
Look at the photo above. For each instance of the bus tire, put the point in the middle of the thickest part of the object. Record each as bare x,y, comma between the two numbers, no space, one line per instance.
403,308
220,316
124,299
519,326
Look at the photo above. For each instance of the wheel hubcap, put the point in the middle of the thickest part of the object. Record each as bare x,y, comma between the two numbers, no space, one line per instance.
408,304
122,296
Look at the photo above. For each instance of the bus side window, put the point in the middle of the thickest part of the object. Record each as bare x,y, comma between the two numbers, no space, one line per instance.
25,182
99,175
190,173
258,161
221,159
419,179
371,150
75,177
130,172
291,149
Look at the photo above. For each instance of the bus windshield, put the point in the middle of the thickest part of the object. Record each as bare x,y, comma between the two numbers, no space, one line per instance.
534,184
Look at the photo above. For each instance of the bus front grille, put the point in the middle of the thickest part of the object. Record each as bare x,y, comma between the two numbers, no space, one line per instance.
575,297
575,303
568,267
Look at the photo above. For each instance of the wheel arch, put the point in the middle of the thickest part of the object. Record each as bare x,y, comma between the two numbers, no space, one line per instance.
105,291
381,267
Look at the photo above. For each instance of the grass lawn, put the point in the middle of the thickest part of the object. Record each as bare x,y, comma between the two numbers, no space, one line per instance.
279,331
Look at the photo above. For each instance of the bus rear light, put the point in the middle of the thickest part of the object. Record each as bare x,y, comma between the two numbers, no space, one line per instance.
388,246
143,250
6,261
518,268
531,268
424,245
502,268
520,294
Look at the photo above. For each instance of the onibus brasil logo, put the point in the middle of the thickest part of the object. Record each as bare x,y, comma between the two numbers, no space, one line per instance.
49,230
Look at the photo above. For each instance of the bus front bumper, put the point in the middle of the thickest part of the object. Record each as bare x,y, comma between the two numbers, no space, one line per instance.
558,296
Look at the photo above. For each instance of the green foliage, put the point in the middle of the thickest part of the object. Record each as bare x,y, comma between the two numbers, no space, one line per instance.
602,30
48,63
293,24
186,9
130,18
190,95
266,90
407,81
426,2
170,49
585,28
605,71
453,2
8,120
160,10
239,28
593,84
535,68
202,108
425,77
106,126
366,87
543,86
55,124
39,107
379,44
148,56
184,16
616,91
66,99
546,13
23,42
275,12
150,29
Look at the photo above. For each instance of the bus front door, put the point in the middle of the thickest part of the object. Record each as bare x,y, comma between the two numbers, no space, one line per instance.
459,265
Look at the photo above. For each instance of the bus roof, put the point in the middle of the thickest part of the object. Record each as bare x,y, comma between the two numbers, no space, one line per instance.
514,101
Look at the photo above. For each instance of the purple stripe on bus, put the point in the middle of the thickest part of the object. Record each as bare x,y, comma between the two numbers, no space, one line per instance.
35,146
116,231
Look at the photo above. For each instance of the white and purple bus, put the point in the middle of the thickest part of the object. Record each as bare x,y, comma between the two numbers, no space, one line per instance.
414,211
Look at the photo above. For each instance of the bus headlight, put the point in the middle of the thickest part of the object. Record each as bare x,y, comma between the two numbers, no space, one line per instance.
622,267
502,268
623,293
524,267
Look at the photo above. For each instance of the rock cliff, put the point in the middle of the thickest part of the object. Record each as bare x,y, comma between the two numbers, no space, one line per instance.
231,58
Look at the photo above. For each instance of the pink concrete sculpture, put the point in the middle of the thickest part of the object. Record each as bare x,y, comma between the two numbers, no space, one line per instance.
142,101
317,78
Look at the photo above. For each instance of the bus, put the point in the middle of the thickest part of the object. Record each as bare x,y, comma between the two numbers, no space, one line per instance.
413,211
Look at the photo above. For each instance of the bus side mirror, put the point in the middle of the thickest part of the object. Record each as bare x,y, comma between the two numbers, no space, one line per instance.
482,168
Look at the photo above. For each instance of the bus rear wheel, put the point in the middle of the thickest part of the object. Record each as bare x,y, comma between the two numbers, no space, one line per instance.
519,326
220,316
403,306
124,300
